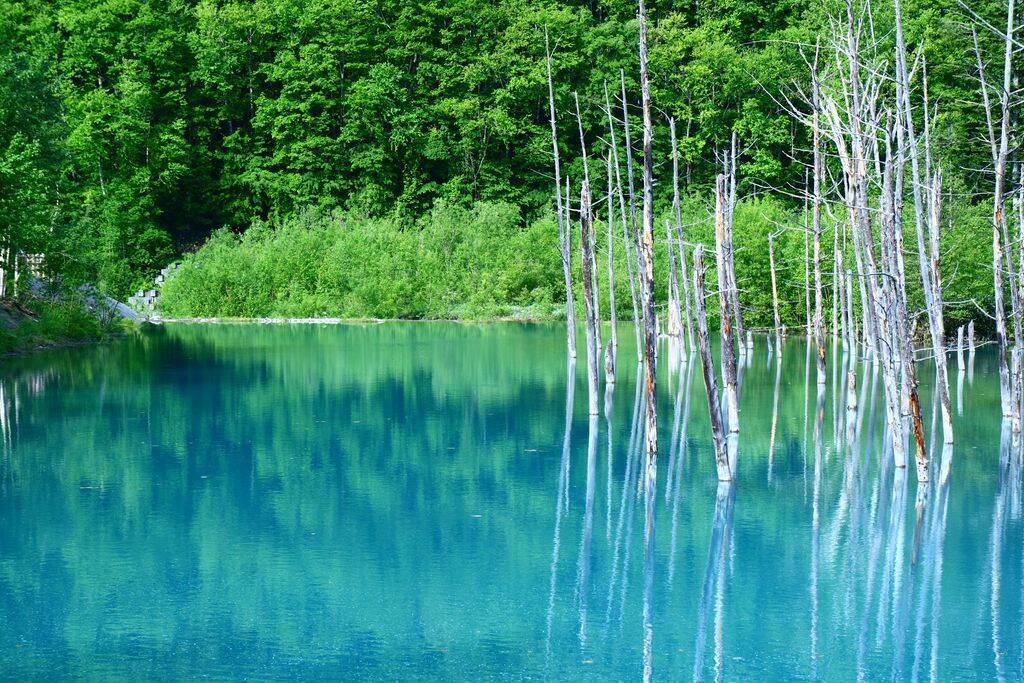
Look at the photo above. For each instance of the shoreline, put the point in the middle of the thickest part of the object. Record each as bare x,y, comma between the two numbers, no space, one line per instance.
341,321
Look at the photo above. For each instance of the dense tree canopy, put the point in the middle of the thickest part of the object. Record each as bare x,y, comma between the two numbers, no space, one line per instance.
130,130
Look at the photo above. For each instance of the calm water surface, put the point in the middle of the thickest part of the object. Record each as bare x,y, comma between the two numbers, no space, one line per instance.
413,500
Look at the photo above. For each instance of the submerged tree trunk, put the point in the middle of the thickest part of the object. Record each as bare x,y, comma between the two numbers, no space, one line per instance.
628,223
647,264
708,368
729,363
589,297
818,172
613,344
564,231
775,288
677,210
634,229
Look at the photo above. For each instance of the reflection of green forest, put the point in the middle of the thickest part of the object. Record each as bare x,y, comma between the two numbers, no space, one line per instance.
305,499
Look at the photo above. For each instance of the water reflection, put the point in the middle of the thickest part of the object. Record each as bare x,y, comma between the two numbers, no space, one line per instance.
378,501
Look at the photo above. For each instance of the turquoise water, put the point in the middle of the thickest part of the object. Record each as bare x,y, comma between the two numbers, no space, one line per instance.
404,500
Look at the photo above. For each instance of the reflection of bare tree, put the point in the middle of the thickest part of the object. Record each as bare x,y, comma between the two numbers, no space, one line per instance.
819,416
679,459
712,588
996,539
775,414
583,565
929,603
635,439
563,479
648,642
609,395
6,436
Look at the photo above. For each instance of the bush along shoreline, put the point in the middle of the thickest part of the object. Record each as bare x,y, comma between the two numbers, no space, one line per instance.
484,262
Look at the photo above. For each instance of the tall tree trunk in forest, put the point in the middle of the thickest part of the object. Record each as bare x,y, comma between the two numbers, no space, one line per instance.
646,252
730,214
675,311
818,172
593,233
634,230
894,320
628,223
729,363
775,290
718,436
1000,149
928,259
678,212
564,236
589,297
613,344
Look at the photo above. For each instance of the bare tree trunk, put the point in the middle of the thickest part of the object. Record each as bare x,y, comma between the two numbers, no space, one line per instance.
589,296
593,233
678,211
635,232
1000,148
840,295
808,324
894,320
564,236
928,259
775,288
960,348
675,312
730,214
628,226
646,252
613,344
818,172
729,369
708,368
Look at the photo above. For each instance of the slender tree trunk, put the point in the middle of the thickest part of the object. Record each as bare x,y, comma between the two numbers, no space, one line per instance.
593,233
708,368
628,225
675,312
777,319
678,212
729,363
928,259
613,344
819,323
589,298
730,214
634,231
647,266
564,236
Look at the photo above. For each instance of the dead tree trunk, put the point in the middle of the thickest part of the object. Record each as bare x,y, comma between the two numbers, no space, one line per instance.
708,368
818,172
1000,149
729,369
928,259
613,344
628,223
675,311
646,252
677,210
730,215
777,319
589,297
564,236
635,230
593,235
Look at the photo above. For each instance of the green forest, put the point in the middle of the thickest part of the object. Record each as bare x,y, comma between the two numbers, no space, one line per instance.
365,158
